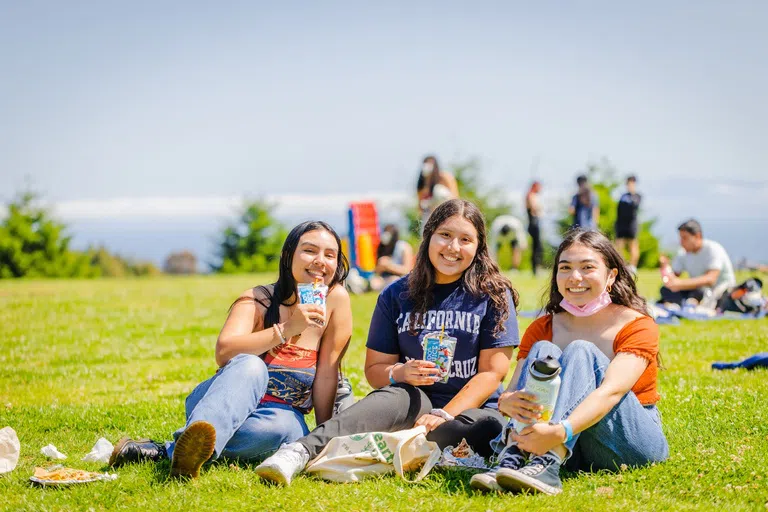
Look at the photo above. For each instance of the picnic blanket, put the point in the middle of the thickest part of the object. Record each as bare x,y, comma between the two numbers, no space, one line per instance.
671,314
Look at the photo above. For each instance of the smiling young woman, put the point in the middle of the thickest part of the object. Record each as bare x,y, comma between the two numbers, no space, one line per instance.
598,327
455,288
277,360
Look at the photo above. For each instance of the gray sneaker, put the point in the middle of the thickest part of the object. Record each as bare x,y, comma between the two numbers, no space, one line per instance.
485,482
510,458
541,474
284,464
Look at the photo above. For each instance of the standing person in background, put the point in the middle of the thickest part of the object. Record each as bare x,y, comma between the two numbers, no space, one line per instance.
434,187
626,223
585,207
533,207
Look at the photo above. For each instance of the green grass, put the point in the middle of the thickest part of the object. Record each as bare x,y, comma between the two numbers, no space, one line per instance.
84,359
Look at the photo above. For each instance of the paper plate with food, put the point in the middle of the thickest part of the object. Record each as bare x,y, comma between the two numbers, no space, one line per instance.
58,475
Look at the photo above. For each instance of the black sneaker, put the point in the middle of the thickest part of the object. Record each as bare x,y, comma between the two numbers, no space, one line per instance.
510,458
541,474
129,450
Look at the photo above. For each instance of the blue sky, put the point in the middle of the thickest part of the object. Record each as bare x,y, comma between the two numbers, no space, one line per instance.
179,100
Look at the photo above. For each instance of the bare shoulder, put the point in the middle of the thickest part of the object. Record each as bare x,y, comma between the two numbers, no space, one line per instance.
338,296
258,295
624,315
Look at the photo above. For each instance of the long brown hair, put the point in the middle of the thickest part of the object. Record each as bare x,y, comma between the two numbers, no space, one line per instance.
623,291
483,276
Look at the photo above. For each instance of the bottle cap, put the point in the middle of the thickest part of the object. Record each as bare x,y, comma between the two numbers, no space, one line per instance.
546,368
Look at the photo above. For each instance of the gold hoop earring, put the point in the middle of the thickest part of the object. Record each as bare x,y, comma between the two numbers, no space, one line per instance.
609,288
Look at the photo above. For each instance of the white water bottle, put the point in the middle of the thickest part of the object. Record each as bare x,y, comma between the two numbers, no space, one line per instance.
543,382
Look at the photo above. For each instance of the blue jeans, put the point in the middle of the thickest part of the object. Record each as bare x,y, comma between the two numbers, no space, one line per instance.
245,428
629,434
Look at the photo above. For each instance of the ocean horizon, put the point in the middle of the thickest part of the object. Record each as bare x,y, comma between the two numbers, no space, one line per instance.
153,239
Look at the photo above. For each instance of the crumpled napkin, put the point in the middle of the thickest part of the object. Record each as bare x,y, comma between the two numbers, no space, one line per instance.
100,451
9,449
51,452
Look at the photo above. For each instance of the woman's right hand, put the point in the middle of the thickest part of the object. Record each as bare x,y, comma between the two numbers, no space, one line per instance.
520,406
304,316
417,373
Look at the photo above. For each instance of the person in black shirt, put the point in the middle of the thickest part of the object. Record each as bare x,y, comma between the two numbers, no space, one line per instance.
626,222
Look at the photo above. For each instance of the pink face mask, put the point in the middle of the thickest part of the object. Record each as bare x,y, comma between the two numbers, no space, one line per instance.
588,309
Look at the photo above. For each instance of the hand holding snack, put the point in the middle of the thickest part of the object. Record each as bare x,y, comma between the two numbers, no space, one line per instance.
304,316
439,348
416,372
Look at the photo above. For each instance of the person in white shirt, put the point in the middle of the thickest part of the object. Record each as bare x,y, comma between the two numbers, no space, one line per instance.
506,229
709,269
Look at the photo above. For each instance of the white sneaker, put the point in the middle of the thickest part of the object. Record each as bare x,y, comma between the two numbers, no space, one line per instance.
485,482
284,464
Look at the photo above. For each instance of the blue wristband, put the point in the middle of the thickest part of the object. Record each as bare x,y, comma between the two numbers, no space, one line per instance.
568,430
391,371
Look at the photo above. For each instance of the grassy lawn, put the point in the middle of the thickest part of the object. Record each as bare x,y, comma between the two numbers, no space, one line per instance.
81,360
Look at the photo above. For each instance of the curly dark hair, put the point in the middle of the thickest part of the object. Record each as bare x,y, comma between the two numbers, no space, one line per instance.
623,291
483,276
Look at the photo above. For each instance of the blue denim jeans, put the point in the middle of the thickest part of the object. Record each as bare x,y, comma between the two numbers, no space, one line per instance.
245,428
629,434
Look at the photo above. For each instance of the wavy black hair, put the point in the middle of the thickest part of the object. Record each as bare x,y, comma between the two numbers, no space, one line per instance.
483,276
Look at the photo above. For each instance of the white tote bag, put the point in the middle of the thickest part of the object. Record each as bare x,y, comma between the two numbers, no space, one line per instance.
354,457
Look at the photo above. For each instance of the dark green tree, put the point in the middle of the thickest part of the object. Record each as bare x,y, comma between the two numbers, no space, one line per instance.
252,243
603,177
34,244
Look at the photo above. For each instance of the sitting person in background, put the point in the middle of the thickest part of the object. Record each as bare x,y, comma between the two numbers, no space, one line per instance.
708,266
507,230
394,258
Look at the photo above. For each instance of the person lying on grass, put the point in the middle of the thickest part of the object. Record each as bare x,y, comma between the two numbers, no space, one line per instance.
456,290
598,327
277,358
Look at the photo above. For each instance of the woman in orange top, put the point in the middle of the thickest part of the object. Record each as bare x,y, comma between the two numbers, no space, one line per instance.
597,328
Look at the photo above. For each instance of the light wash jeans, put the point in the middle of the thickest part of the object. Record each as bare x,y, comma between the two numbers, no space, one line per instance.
245,429
629,434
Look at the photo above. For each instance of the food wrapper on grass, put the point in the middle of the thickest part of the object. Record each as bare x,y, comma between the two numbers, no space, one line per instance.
462,457
100,451
51,452
58,475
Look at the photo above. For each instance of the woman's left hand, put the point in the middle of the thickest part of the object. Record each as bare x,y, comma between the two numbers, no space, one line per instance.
430,421
539,438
